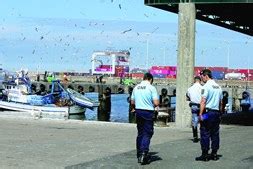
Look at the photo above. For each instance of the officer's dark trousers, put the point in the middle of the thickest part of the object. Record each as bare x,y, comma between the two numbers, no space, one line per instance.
145,127
209,131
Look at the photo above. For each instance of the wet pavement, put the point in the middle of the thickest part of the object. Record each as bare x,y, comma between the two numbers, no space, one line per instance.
71,144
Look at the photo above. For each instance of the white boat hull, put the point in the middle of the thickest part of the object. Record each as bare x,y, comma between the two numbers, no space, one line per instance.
82,100
45,111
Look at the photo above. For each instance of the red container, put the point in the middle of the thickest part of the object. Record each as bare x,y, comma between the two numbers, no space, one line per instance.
172,73
219,69
245,71
154,67
251,71
171,76
197,71
232,71
137,75
173,68
250,77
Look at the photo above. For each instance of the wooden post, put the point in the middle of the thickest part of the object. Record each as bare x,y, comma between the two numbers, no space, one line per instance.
131,115
104,109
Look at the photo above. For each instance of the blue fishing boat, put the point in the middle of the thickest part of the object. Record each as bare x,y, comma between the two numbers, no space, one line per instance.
17,95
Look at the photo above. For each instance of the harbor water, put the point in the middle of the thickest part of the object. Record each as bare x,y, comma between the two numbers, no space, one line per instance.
119,109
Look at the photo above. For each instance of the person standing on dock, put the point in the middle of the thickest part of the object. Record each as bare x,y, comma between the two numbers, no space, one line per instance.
209,116
194,96
144,100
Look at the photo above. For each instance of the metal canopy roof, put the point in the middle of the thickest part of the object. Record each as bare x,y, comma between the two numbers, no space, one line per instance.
231,14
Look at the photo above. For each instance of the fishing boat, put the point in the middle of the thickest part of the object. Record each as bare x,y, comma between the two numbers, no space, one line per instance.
18,96
45,111
82,100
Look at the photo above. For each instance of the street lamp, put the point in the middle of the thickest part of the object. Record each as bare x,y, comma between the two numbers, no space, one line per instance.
164,56
248,74
228,52
147,50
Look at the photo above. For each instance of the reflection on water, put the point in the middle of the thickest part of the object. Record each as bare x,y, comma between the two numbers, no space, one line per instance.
119,109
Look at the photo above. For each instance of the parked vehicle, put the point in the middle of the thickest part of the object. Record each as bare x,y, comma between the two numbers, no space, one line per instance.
235,76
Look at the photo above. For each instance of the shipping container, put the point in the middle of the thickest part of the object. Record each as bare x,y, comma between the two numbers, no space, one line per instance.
251,71
103,69
137,75
159,75
197,71
245,71
160,67
219,75
232,71
250,77
159,71
138,70
171,76
172,73
220,69
121,71
173,68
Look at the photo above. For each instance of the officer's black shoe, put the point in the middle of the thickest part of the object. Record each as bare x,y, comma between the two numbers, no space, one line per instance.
195,140
143,159
203,157
139,159
214,157
138,154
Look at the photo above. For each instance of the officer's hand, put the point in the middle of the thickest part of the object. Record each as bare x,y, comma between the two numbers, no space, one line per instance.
157,108
201,118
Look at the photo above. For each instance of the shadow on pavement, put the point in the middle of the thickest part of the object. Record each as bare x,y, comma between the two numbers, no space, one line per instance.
241,118
154,157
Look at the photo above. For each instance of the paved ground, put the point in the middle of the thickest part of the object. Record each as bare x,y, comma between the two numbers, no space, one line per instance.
28,143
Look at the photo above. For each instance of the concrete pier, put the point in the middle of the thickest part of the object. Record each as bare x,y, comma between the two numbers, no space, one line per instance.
51,144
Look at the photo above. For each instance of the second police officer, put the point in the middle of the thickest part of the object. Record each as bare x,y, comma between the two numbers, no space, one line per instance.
209,115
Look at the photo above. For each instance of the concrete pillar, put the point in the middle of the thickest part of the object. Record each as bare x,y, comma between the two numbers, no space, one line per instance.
185,61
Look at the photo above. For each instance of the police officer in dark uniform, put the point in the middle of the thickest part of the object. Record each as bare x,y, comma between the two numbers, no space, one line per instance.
209,116
144,99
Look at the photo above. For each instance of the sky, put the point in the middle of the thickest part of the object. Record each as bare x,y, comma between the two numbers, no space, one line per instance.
61,35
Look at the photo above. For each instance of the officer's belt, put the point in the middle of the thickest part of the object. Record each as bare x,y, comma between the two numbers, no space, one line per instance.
151,111
194,104
213,110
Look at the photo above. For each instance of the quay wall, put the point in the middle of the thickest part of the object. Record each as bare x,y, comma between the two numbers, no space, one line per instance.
88,82
235,88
